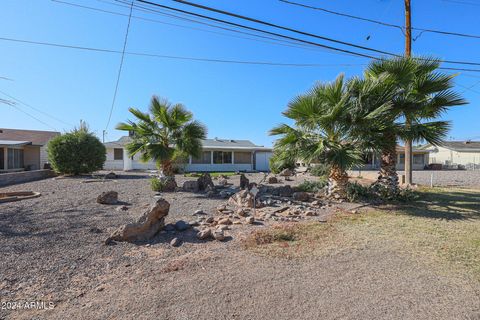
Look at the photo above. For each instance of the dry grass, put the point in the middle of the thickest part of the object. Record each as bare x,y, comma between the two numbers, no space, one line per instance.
441,228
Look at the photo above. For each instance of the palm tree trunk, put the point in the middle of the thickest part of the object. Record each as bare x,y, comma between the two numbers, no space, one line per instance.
388,178
337,183
167,168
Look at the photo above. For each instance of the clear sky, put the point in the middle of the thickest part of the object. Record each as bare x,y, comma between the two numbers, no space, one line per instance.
235,101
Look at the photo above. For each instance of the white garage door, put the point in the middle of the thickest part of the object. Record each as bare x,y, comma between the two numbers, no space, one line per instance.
261,161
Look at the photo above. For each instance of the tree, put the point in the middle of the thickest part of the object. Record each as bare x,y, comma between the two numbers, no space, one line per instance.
421,95
327,130
76,152
164,134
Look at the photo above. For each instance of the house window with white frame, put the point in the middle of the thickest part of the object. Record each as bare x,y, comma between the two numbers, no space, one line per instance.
243,158
205,158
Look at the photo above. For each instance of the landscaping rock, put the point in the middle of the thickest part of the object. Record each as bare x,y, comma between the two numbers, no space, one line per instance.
210,220
146,226
205,182
272,180
244,182
109,197
225,221
181,225
219,235
242,199
170,185
242,213
175,242
283,191
310,213
111,175
199,212
286,173
223,182
169,227
301,196
204,234
190,186
250,220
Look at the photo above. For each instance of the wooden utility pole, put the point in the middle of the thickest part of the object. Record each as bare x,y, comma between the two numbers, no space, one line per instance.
408,53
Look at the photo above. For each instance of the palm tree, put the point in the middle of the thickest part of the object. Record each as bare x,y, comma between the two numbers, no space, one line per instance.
326,131
164,134
422,94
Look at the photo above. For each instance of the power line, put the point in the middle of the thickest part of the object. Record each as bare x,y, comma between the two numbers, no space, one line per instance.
153,55
286,28
276,41
386,24
120,67
36,109
12,104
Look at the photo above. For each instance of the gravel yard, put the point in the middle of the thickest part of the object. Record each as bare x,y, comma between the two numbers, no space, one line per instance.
53,250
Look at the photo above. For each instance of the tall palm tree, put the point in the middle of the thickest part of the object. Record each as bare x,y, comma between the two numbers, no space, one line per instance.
326,131
422,94
164,134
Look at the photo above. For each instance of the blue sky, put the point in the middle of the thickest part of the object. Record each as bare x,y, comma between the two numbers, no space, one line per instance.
233,100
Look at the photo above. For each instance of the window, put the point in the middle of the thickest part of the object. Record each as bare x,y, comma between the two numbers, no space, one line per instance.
222,157
418,159
205,158
402,157
243,157
15,158
2,159
117,154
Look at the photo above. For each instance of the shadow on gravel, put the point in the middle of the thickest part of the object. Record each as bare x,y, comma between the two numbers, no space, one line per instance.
187,236
453,205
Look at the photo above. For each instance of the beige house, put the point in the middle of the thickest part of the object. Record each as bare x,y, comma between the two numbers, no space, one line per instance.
23,149
220,155
456,153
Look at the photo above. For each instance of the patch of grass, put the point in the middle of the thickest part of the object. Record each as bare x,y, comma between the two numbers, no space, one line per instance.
440,229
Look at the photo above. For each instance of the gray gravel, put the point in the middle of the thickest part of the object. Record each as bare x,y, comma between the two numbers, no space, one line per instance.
52,250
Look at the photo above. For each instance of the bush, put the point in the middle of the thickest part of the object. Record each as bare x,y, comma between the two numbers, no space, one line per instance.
358,192
320,170
163,184
157,184
312,186
76,152
279,162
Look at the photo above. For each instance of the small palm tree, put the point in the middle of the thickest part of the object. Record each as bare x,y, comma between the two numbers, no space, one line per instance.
164,134
326,130
421,95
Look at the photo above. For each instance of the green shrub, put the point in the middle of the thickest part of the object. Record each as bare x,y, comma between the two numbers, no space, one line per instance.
157,184
312,186
279,161
320,170
76,152
358,192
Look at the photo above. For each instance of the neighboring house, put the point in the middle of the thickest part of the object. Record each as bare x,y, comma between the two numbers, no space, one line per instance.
23,149
420,159
454,153
218,155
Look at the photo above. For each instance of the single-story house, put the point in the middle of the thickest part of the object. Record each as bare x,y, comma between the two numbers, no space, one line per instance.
218,155
454,153
419,161
23,149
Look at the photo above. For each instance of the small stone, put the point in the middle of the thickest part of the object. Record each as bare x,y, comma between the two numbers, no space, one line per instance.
199,212
250,220
354,211
223,227
109,197
241,213
210,220
95,230
100,288
301,196
237,222
225,221
122,208
181,225
204,234
272,179
310,213
219,235
175,242
227,211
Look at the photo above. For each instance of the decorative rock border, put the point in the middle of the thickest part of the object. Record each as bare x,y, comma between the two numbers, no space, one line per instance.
17,196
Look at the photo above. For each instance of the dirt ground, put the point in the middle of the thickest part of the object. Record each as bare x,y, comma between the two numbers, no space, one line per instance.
53,251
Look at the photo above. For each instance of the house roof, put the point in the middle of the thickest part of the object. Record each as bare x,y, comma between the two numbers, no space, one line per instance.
401,149
11,143
220,144
462,146
38,138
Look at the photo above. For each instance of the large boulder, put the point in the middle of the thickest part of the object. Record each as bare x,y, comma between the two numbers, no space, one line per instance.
111,175
146,226
205,182
244,182
108,197
301,196
191,186
283,191
169,184
243,198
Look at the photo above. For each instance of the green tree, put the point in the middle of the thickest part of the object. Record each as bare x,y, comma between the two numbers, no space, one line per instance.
421,94
165,134
76,152
326,130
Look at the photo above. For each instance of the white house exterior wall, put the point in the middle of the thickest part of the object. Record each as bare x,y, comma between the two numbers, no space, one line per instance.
447,156
111,164
43,156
